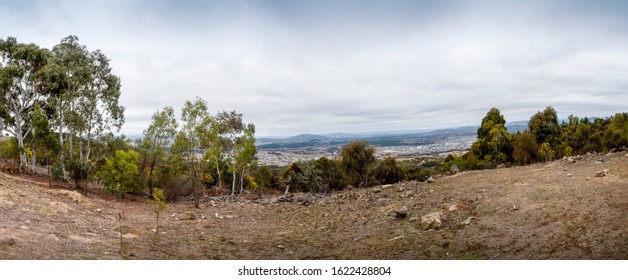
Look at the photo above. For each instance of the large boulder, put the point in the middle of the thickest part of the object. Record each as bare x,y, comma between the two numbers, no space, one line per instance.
432,220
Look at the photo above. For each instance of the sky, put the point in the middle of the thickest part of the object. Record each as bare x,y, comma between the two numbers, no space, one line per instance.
293,67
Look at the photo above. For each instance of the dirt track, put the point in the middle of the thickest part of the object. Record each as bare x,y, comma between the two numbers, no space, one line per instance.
542,211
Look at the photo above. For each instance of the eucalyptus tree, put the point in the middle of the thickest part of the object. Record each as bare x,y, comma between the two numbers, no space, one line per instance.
157,136
68,75
245,151
194,117
21,88
86,95
231,128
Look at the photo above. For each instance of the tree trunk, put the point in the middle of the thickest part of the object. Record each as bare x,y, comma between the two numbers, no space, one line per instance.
197,202
150,178
233,183
218,172
287,190
242,181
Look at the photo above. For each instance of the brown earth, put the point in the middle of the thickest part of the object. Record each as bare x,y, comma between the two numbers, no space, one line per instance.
542,211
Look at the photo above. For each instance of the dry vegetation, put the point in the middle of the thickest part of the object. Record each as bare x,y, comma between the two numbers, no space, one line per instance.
541,211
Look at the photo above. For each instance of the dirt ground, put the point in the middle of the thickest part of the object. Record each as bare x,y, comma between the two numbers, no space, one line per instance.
558,210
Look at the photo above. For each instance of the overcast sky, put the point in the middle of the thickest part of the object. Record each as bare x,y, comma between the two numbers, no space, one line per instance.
348,66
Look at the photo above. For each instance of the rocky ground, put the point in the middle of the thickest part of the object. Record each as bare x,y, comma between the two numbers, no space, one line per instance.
559,210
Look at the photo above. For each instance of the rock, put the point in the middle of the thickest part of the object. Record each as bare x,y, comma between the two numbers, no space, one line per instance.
377,190
452,207
382,201
454,169
24,227
384,187
565,169
98,210
501,165
571,160
601,173
588,178
432,220
568,174
467,221
401,189
186,216
281,247
599,161
430,180
515,207
409,193
401,212
10,241
230,217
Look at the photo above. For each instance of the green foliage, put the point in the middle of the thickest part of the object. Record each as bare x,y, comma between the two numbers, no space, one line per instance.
357,160
544,125
9,149
159,205
79,173
526,148
120,173
494,142
331,173
388,171
546,152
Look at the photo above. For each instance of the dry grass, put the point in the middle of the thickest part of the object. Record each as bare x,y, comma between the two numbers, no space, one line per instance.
531,212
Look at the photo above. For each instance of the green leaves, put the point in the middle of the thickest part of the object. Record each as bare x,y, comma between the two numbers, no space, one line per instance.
120,172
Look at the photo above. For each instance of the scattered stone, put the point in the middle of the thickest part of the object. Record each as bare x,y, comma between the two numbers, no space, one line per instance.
24,227
431,180
186,216
203,217
565,169
515,207
8,241
401,189
482,190
377,190
285,199
409,193
382,201
281,247
467,221
588,178
230,217
212,203
452,207
599,161
384,187
98,210
401,212
432,221
571,160
501,165
601,173
568,174
454,169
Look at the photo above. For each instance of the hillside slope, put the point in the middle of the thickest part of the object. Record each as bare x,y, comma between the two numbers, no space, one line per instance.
542,211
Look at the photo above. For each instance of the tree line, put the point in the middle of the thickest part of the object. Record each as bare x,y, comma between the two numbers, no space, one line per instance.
545,139
61,109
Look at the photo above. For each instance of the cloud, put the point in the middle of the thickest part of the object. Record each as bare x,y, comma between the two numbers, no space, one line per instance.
351,66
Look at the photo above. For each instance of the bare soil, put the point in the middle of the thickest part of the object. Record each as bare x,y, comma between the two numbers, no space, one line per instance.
557,210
